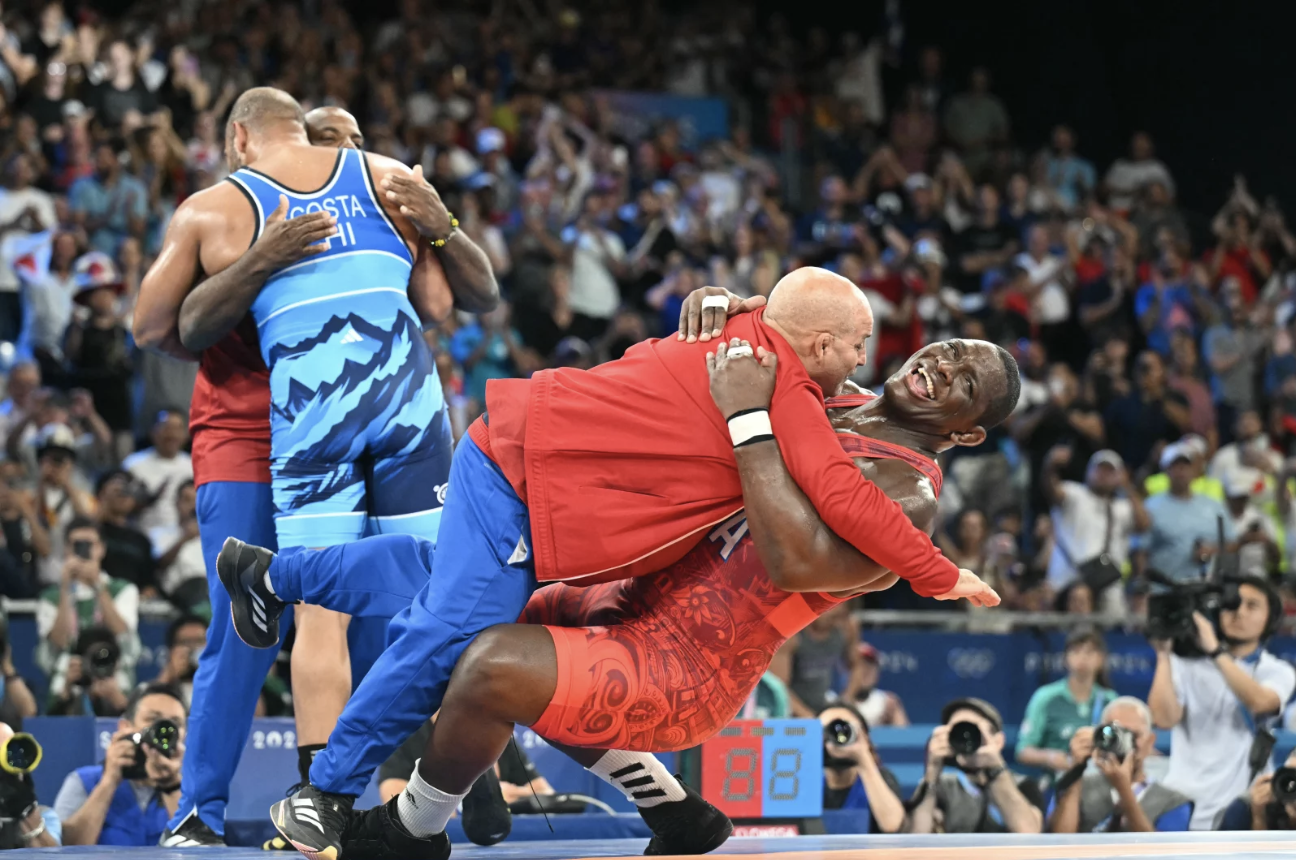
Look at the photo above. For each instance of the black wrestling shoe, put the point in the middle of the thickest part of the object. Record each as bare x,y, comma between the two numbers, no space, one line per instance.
378,834
688,826
313,821
192,833
254,608
486,817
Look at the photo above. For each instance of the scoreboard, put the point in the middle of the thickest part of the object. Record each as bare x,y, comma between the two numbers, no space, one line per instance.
765,769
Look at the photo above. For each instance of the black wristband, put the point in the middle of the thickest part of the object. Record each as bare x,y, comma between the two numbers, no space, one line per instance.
167,789
993,773
1215,655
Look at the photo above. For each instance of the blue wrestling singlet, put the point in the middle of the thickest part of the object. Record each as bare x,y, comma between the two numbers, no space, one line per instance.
360,435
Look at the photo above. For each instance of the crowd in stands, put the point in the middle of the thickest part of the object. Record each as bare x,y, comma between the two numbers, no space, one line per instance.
1158,345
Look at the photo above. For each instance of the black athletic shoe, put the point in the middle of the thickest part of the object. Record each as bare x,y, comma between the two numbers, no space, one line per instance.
486,817
253,607
378,834
314,821
192,833
688,826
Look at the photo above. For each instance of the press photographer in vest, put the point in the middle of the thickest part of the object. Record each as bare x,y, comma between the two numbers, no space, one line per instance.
966,788
853,776
1269,805
1108,792
1219,704
130,797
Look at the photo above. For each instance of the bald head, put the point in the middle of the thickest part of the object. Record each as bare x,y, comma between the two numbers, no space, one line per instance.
260,115
333,126
826,319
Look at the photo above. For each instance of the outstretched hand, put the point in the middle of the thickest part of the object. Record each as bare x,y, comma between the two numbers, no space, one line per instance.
701,324
284,240
970,586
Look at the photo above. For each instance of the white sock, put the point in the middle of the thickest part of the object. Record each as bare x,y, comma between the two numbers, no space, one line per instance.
641,777
424,810
265,580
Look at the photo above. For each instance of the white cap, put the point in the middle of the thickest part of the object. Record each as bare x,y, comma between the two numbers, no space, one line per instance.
1195,445
1242,481
1106,457
1175,451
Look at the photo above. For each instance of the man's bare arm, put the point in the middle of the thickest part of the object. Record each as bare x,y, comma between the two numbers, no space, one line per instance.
167,282
212,309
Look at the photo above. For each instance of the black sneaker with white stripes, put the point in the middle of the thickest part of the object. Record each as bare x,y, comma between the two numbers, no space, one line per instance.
688,826
486,817
314,822
255,609
192,833
378,834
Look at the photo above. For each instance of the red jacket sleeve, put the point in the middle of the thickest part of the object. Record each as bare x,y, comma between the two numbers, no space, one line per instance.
847,502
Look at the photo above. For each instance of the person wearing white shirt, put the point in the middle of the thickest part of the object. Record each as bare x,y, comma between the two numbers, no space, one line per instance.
1047,273
1090,519
1214,703
1128,176
162,469
597,258
1257,535
1249,457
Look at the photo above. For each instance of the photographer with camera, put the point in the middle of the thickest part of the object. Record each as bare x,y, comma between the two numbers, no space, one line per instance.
87,682
129,798
1270,804
24,823
981,795
853,776
1114,795
186,638
1217,703
86,598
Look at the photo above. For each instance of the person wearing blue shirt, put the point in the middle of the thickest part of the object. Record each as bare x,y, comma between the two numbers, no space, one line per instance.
1166,303
853,776
488,348
1070,177
110,205
1116,796
1185,525
101,805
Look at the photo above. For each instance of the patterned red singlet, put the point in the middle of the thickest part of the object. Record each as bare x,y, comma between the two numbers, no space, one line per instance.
664,661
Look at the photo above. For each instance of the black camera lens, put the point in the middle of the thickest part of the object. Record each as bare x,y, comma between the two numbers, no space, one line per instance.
101,660
1284,785
839,732
22,753
163,736
1114,740
965,738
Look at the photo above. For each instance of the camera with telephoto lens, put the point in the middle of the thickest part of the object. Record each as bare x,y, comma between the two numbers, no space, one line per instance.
1116,741
1284,785
163,736
965,738
840,732
100,660
19,756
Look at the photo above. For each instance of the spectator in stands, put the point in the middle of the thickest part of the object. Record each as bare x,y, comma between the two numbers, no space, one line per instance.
23,541
1197,449
977,122
966,547
86,597
1249,457
98,347
182,571
109,205
1184,532
24,210
1091,521
1118,797
810,661
980,795
122,94
186,637
106,805
41,827
21,397
490,349
1257,536
1148,415
877,707
59,499
162,470
1169,303
1213,703
1127,177
1186,377
1232,348
985,245
128,554
51,307
1070,177
1058,711
1258,809
854,778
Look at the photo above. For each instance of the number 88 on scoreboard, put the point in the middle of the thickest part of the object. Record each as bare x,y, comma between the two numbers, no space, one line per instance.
765,769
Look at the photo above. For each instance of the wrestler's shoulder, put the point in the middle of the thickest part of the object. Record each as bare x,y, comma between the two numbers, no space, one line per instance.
904,484
214,202
381,165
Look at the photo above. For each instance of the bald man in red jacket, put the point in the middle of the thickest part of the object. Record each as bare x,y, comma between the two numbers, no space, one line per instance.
592,476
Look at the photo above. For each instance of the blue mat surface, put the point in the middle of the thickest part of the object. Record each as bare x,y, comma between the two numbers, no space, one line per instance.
1243,846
